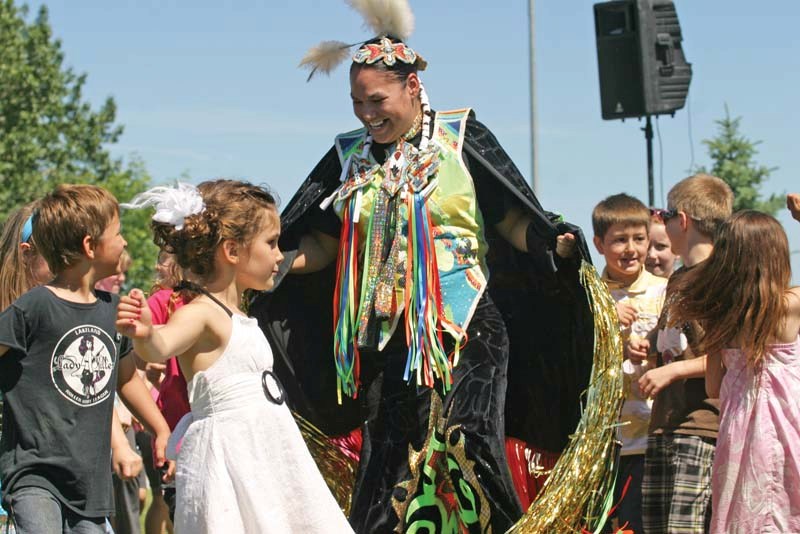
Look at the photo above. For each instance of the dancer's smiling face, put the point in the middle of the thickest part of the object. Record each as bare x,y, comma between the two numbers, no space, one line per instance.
386,105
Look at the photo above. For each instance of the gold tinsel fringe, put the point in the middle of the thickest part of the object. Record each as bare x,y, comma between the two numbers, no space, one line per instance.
577,494
338,470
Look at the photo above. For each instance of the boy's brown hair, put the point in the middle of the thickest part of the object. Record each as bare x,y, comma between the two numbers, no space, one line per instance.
67,215
619,209
706,199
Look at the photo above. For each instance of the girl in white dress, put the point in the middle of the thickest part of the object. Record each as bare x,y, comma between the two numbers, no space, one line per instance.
242,464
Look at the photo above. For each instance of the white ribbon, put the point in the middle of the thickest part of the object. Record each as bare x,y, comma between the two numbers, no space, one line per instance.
172,204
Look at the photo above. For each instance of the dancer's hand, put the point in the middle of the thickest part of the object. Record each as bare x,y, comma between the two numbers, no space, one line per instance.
793,203
565,245
133,316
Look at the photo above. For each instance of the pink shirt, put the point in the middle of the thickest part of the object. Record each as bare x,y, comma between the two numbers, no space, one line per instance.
173,400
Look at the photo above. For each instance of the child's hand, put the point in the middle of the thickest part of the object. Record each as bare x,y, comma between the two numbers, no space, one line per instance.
627,313
160,456
125,462
168,471
133,315
793,203
155,372
637,349
655,380
565,245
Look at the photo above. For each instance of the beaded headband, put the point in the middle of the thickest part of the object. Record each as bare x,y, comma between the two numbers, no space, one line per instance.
385,51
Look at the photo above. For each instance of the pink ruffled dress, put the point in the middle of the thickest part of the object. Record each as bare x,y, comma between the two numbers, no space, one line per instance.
756,476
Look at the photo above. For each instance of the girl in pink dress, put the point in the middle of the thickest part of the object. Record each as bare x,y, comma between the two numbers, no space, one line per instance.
741,296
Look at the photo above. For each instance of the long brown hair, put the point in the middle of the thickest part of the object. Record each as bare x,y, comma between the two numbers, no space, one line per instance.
16,276
739,292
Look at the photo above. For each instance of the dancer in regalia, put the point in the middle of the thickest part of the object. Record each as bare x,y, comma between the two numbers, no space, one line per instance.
432,249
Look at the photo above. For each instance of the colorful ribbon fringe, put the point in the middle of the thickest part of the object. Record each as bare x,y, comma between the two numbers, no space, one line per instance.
425,316
425,319
345,305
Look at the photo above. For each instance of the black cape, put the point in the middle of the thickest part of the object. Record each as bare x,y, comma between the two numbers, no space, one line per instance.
546,311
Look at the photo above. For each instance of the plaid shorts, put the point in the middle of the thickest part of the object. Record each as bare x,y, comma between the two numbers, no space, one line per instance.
676,488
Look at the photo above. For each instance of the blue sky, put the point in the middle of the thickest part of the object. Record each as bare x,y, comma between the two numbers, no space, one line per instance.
210,88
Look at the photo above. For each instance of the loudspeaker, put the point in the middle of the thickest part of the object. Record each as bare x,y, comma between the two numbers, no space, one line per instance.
642,67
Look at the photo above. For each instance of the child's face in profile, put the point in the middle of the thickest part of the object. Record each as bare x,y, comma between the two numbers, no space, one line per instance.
660,258
624,248
108,249
261,258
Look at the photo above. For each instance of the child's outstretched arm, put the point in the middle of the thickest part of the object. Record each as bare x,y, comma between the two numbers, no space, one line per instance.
134,394
157,345
793,203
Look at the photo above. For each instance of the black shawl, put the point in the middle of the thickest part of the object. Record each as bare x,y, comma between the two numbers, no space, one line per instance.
546,310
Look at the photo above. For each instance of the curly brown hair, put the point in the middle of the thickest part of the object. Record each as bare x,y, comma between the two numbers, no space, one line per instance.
234,210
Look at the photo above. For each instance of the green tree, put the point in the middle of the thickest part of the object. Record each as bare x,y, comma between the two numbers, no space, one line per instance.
732,154
49,134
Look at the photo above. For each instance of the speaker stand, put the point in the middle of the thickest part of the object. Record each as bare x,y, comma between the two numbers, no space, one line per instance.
648,135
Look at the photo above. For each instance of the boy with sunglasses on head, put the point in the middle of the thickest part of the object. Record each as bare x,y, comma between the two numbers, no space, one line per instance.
621,225
661,260
676,490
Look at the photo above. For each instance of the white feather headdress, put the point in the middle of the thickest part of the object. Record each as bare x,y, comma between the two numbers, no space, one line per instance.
384,17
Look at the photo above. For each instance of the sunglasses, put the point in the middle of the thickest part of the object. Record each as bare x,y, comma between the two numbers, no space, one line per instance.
664,214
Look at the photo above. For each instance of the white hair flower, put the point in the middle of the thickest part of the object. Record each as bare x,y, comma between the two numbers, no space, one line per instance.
172,204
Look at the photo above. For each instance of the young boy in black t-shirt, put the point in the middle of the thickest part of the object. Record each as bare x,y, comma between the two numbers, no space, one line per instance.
61,359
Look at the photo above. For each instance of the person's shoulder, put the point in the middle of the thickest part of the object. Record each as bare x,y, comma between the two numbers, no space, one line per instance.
200,309
793,301
357,132
33,297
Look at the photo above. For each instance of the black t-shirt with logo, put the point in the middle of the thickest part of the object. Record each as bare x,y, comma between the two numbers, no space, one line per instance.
59,380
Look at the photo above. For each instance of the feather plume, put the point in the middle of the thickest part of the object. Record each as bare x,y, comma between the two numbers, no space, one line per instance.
386,17
325,57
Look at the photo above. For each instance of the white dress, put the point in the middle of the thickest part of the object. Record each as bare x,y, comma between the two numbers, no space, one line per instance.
243,465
